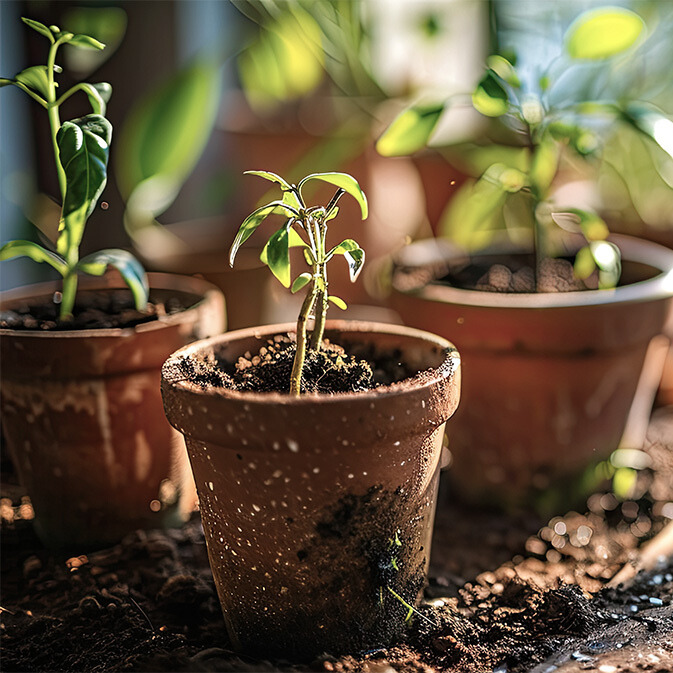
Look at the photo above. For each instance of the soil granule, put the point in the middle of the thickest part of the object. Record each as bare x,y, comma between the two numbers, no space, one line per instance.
508,593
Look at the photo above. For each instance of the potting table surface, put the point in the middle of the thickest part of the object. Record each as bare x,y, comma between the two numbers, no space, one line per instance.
508,592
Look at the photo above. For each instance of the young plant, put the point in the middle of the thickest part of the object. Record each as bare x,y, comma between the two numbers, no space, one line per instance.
543,119
81,149
305,227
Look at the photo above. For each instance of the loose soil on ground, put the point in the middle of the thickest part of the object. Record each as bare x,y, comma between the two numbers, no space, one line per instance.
509,592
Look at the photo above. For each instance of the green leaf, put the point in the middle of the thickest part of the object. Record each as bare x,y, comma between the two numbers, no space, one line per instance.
652,122
128,266
601,33
301,281
98,94
252,221
353,254
278,255
504,69
490,98
584,264
410,131
337,301
35,78
294,241
39,27
271,177
609,262
84,147
513,180
167,131
544,166
344,181
593,227
86,42
35,252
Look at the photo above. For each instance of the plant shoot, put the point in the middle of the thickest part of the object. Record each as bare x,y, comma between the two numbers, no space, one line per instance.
305,227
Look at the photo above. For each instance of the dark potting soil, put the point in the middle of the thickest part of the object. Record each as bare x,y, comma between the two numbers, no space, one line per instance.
330,370
508,593
95,310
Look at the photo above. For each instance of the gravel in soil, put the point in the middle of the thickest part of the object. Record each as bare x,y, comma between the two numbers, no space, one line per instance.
508,593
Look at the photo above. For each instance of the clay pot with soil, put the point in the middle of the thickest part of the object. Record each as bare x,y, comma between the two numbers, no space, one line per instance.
549,377
81,406
317,509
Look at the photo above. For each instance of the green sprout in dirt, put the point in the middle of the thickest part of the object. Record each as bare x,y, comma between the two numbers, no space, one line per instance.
306,228
81,150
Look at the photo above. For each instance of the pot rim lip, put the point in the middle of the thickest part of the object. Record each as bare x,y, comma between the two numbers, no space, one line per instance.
157,281
633,249
424,379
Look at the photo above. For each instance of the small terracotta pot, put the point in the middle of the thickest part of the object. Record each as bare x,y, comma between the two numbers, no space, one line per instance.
318,510
548,378
83,418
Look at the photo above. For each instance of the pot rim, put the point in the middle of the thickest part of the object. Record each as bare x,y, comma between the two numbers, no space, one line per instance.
425,379
633,249
157,281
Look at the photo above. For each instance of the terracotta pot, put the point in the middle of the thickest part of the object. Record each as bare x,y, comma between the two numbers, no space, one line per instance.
549,378
318,510
83,418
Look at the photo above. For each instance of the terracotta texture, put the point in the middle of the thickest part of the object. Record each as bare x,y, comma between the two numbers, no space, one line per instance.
316,509
548,378
83,419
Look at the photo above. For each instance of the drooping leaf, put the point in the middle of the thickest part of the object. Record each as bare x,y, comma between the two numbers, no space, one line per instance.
410,131
652,122
39,27
490,97
338,301
353,254
294,241
36,252
252,221
604,32
301,281
84,147
271,177
344,181
278,255
35,78
98,94
167,130
128,266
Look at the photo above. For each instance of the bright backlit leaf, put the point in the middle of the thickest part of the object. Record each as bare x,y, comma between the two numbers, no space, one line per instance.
344,181
278,255
410,131
35,252
490,97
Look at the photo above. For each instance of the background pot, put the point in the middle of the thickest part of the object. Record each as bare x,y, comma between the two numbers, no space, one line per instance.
83,418
548,378
316,509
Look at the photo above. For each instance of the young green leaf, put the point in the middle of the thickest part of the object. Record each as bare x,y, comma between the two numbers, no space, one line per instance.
278,255
544,165
504,69
353,254
128,266
35,78
584,264
84,147
604,32
593,227
337,301
294,241
250,224
301,281
344,181
98,95
410,131
490,97
35,252
271,177
39,27
86,42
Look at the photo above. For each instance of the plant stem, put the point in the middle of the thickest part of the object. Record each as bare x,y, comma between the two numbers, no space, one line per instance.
321,302
68,295
300,355
54,117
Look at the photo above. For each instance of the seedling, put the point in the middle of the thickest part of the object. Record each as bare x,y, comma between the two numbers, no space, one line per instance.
305,227
543,118
81,149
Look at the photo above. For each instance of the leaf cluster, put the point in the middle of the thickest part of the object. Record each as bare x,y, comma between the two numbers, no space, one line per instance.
82,148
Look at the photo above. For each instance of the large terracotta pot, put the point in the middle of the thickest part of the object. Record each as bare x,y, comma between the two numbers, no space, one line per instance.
83,418
548,378
317,510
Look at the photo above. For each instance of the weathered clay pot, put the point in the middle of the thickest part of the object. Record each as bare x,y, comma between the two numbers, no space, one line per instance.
83,418
318,510
548,378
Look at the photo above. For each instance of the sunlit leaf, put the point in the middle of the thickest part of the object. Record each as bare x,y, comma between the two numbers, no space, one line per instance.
592,225
513,180
35,252
504,69
98,94
128,266
337,301
301,281
39,27
278,256
86,41
410,131
584,264
544,166
252,221
490,98
608,261
344,181
353,254
294,241
35,78
604,32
